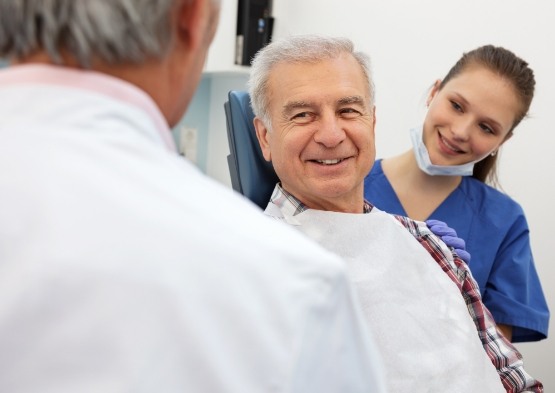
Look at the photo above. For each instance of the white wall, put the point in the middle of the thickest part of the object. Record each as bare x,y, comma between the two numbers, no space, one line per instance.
411,44
218,147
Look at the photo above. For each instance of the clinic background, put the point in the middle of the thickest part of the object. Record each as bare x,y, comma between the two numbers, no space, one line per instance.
411,44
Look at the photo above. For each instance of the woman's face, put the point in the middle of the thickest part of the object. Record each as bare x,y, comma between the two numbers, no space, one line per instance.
470,117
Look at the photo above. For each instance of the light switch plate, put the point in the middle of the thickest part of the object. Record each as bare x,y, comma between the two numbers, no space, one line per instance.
188,137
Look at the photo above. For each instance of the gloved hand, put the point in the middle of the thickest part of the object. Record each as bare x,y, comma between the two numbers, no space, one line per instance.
449,237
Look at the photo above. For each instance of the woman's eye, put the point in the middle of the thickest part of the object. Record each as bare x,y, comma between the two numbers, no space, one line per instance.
456,106
486,128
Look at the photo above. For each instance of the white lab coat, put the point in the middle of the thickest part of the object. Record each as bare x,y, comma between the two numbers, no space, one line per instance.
124,269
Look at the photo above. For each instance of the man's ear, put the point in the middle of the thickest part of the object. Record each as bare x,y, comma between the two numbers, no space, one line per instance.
433,91
263,136
195,19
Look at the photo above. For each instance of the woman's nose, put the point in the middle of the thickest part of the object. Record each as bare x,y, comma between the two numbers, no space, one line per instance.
461,130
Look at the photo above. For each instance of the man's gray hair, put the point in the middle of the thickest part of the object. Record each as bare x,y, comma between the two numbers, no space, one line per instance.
297,49
115,31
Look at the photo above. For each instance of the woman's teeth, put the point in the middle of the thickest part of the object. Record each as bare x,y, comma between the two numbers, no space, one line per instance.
455,149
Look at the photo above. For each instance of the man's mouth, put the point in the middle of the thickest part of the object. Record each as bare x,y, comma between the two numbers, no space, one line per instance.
330,162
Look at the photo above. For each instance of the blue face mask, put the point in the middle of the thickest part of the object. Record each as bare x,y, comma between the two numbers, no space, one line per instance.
425,164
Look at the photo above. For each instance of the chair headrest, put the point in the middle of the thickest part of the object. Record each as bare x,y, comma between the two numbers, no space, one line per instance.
251,174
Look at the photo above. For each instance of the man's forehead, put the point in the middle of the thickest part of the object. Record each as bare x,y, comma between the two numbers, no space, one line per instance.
293,104
345,65
330,82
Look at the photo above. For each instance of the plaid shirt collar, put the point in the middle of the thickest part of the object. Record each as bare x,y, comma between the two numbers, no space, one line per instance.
292,206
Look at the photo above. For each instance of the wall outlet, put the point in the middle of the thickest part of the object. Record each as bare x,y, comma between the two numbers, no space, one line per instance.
188,137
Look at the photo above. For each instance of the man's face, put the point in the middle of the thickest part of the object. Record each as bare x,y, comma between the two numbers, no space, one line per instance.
322,139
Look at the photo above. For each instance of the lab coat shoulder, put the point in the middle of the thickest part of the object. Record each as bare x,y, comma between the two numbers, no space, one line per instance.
172,287
330,337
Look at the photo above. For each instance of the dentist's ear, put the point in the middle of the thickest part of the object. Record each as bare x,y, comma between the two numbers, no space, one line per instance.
433,91
263,135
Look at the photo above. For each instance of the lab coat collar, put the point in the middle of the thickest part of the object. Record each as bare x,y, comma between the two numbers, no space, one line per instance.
93,81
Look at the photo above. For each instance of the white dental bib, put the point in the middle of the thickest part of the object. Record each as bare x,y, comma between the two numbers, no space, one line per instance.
418,317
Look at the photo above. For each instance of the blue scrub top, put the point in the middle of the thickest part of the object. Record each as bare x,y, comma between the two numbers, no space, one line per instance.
497,238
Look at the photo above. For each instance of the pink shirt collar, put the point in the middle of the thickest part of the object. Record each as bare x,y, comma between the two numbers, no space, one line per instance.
97,82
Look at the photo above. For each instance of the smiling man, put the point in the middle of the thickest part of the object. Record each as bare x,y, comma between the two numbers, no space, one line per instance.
323,138
315,116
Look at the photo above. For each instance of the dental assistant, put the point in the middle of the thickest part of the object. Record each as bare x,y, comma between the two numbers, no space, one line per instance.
449,173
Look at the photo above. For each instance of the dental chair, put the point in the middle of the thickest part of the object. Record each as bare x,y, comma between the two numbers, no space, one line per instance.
251,174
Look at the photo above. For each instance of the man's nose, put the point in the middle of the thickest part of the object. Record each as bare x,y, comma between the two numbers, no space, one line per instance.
330,132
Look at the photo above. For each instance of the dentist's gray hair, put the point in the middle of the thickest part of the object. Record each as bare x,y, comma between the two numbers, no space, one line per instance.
298,49
116,31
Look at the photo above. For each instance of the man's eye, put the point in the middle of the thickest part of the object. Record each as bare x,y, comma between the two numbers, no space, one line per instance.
302,117
349,113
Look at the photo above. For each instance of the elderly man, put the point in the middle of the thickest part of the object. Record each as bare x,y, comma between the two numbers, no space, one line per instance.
315,116
123,268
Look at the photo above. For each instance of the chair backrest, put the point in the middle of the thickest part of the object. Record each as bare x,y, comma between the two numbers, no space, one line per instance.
251,174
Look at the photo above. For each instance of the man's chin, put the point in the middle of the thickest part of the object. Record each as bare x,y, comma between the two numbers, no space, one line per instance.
333,193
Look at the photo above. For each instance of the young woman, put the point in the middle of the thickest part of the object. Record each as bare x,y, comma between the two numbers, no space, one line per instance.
471,113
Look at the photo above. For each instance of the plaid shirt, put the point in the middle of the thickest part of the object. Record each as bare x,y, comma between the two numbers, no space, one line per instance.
504,356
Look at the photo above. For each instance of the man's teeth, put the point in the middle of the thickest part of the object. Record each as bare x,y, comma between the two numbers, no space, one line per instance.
329,162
